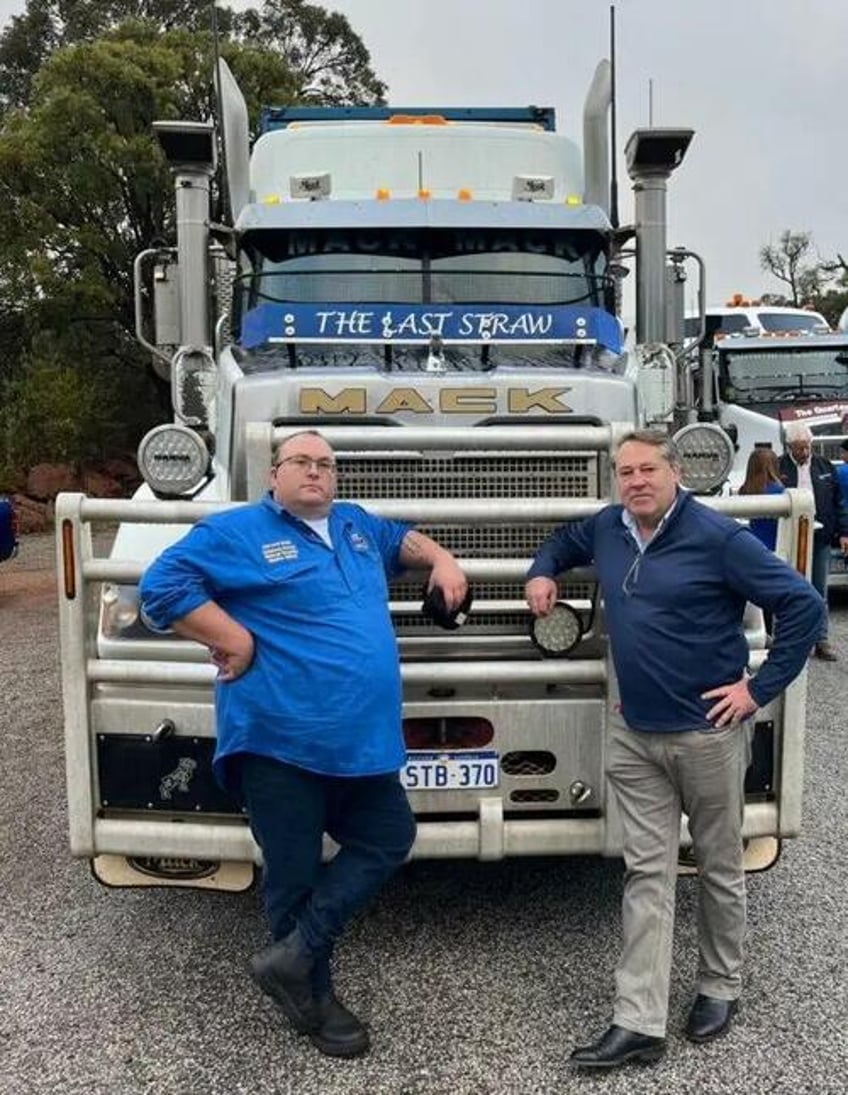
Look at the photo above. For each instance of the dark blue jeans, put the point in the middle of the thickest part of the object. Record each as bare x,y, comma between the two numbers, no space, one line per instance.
290,809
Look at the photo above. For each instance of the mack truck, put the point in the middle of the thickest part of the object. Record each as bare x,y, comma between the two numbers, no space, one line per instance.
761,380
437,292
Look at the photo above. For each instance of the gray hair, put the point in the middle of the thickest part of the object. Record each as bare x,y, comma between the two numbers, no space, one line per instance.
657,439
797,431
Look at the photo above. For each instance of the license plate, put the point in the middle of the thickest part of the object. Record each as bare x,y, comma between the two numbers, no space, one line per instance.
450,771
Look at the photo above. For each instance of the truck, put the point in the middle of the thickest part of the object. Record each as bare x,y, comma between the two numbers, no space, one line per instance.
741,316
437,290
762,380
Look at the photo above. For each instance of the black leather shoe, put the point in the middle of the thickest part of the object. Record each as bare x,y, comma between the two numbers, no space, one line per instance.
339,1033
709,1018
618,1046
284,972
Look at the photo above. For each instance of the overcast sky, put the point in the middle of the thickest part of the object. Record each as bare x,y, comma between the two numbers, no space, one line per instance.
762,83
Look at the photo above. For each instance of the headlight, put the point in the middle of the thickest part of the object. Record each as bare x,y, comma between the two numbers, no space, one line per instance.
557,634
173,459
706,456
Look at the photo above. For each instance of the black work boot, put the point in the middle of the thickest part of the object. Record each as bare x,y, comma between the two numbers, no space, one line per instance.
284,972
339,1033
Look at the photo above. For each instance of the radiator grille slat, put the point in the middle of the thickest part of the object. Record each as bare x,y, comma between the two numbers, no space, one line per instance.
516,475
480,475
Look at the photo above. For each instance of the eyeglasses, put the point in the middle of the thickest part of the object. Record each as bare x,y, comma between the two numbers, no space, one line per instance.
323,464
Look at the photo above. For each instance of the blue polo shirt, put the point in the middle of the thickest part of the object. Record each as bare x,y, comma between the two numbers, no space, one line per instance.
323,691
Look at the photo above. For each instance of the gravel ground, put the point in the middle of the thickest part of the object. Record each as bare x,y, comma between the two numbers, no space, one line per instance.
476,978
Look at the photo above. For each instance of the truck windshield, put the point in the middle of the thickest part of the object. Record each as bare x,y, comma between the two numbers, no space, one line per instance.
783,374
421,266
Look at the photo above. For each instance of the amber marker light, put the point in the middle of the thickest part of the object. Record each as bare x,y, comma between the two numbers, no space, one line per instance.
424,194
803,544
68,560
383,194
464,195
417,119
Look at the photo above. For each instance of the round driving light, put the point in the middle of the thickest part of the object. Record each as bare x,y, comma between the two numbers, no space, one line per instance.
706,456
557,634
173,459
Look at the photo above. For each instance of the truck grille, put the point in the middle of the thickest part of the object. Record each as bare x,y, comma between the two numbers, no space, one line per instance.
476,476
471,475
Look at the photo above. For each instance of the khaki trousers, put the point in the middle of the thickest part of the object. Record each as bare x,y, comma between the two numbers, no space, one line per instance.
653,777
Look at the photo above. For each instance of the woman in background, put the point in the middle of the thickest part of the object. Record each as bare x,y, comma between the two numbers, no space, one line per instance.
762,476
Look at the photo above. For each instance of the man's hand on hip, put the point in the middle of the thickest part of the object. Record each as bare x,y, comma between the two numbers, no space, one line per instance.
234,657
735,703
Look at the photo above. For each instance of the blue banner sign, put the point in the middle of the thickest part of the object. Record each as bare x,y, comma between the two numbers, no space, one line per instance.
269,323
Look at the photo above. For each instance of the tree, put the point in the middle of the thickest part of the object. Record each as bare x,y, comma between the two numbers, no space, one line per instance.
47,25
83,188
786,262
329,61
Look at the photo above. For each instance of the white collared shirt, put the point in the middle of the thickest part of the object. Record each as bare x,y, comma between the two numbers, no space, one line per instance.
629,522
805,479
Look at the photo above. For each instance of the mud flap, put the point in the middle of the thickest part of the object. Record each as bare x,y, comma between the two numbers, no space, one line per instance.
118,871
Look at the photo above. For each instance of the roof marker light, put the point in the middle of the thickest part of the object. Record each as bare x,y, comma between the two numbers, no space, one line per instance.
383,194
573,199
464,195
424,194
417,119
271,199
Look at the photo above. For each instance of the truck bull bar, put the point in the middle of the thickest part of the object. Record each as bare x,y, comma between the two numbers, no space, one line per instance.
490,835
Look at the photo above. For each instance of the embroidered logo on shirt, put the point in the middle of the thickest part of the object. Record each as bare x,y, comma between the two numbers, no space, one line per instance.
279,551
358,542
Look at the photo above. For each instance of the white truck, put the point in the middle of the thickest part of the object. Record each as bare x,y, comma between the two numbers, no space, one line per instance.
763,380
745,317
436,291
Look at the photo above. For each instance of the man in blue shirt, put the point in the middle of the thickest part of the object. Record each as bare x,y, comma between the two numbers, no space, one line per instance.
291,597
675,578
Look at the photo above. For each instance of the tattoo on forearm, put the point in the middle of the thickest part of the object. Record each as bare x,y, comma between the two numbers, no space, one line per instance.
414,547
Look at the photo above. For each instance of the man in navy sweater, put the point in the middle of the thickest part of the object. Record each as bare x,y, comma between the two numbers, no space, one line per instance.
675,578
291,597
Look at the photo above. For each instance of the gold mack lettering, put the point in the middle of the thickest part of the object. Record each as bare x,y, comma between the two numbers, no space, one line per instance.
470,400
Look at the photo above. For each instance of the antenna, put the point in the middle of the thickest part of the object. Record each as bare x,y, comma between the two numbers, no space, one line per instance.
221,181
613,137
650,102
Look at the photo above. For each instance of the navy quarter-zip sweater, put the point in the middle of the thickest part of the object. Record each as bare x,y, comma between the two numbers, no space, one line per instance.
674,611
